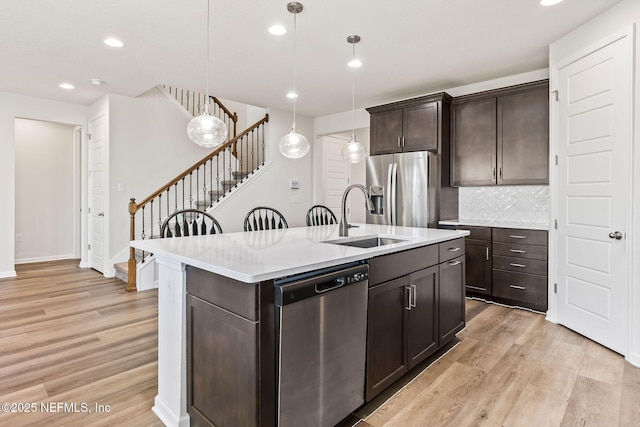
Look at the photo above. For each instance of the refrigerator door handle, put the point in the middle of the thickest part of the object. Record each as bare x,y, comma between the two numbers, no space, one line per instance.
394,201
389,194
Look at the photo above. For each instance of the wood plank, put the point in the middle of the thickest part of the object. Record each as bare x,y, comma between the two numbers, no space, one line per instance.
593,403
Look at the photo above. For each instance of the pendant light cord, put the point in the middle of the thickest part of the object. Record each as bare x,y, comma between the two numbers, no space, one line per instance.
295,93
353,95
206,104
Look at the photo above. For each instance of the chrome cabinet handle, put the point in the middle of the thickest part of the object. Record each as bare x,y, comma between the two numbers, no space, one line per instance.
398,142
415,295
615,235
517,251
487,253
517,237
500,173
402,140
408,306
100,213
476,288
513,264
453,249
493,174
454,263
522,288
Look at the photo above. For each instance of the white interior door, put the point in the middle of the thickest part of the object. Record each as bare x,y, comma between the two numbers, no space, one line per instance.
97,193
594,137
336,174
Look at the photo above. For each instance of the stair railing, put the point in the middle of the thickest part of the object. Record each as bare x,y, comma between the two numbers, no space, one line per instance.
198,187
194,102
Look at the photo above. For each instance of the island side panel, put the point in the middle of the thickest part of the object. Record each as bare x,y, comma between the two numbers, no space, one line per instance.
230,351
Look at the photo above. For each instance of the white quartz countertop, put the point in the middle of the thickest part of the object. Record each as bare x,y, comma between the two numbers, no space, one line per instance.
263,255
497,224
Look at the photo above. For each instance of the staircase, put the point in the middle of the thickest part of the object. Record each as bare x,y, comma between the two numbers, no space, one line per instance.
201,186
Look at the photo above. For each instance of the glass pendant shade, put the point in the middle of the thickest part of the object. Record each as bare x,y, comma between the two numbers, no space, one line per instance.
294,145
206,130
353,152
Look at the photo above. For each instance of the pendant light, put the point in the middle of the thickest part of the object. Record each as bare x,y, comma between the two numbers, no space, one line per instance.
207,130
353,152
294,145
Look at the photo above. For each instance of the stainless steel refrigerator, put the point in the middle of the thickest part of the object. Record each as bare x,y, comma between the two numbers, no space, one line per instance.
403,186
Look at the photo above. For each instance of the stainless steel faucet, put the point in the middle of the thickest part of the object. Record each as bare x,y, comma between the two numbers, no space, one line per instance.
344,225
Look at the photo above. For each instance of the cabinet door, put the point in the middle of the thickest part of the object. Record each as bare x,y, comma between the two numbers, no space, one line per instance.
222,366
451,318
478,268
386,132
420,127
386,335
422,328
473,146
523,138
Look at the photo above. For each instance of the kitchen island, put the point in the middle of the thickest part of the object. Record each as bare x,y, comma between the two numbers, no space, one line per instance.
245,266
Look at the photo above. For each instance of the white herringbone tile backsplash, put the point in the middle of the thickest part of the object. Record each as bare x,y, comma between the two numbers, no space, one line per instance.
526,203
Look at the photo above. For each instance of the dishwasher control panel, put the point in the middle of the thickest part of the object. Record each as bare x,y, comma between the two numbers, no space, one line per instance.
292,290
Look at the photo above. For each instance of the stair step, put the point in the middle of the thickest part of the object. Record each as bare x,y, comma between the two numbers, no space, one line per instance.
238,175
122,271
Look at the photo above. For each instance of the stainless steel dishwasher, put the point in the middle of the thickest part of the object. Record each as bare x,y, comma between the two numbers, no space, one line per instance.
322,327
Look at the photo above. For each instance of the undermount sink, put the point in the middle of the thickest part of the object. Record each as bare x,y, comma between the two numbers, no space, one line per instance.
366,242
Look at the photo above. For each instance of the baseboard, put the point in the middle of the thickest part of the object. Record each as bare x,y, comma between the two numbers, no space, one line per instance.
634,359
167,416
44,259
5,274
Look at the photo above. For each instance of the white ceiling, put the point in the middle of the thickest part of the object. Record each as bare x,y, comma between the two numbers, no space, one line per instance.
408,48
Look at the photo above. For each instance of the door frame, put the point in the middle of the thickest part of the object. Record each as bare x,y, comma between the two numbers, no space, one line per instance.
552,313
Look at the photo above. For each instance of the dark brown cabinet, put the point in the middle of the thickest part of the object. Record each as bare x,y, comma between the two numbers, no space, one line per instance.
411,316
501,137
230,351
478,260
413,125
451,309
508,265
401,327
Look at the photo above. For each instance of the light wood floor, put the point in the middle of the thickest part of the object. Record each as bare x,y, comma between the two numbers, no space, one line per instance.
514,368
69,335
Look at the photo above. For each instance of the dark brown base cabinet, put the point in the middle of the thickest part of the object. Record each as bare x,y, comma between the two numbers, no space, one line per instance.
513,271
411,316
230,351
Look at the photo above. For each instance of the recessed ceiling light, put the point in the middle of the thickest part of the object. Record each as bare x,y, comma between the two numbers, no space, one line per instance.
96,82
355,63
549,2
67,86
292,95
113,42
277,30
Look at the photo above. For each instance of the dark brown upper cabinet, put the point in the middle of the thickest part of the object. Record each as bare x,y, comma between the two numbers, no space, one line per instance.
412,125
501,137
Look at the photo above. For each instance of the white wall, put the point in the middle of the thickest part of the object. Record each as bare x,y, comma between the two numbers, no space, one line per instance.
14,106
624,14
44,191
273,187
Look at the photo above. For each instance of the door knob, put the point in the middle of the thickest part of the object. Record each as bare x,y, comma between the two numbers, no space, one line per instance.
100,213
616,235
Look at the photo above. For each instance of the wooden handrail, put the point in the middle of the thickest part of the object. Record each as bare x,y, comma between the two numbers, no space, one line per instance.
135,207
197,165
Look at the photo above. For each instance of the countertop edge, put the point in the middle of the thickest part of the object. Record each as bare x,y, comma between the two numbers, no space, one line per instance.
496,224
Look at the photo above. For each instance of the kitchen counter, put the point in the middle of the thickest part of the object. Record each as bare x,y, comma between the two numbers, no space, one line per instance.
256,256
495,224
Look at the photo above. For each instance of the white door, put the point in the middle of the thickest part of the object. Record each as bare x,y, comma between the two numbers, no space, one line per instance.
594,137
97,193
336,174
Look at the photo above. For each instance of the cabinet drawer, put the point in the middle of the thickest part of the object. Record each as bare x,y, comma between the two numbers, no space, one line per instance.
386,267
451,249
520,251
520,265
521,236
477,233
526,288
